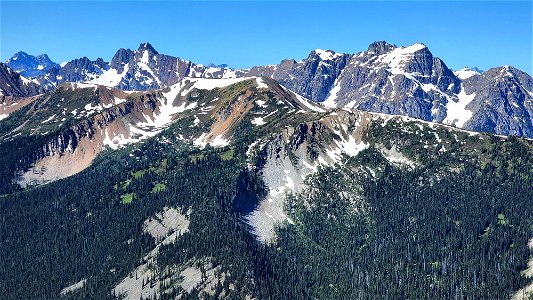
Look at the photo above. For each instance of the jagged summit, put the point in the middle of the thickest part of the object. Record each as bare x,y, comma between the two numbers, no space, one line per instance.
380,47
325,54
122,57
147,47
31,66
21,55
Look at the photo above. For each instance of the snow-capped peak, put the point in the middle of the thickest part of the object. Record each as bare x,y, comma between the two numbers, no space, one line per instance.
327,54
415,47
397,57
467,72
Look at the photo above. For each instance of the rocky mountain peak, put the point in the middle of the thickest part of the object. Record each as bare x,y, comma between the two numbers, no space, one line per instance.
147,47
101,63
467,72
19,55
77,62
121,58
31,66
288,62
505,73
43,57
325,54
380,47
476,69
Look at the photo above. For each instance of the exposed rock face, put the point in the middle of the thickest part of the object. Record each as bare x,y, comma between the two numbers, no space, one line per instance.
14,84
139,70
120,59
80,70
31,66
67,150
10,104
503,102
296,152
395,80
410,81
75,122
312,77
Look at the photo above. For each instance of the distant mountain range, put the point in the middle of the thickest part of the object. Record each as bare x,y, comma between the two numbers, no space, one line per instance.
31,66
385,78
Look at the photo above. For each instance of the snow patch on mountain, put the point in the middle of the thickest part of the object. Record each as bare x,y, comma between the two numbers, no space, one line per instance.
210,84
25,80
327,54
466,73
397,57
348,146
331,99
110,77
207,138
201,142
152,124
258,121
219,141
117,141
261,83
167,110
118,100
143,65
456,112
313,106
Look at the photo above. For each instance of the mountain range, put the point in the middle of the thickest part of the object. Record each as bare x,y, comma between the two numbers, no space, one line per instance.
385,78
374,175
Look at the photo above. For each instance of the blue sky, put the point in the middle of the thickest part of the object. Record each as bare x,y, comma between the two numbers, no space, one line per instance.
244,34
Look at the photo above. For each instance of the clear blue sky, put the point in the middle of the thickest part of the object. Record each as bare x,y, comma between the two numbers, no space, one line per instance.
244,34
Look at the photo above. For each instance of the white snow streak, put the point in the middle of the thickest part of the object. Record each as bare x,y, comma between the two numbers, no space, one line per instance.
111,77
327,54
456,112
396,58
210,84
465,73
261,83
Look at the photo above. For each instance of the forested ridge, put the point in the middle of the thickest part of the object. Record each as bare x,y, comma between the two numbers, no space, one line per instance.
455,225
